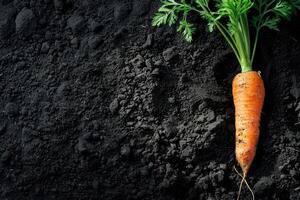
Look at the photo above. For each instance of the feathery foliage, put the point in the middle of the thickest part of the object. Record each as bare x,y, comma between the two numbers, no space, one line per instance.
230,17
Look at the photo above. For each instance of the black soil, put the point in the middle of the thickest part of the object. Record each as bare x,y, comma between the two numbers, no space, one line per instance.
97,104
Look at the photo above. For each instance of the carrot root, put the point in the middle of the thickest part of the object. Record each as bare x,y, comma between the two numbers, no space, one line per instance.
241,184
248,96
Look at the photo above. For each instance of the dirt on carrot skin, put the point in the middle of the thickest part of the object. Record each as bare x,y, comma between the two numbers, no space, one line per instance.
96,104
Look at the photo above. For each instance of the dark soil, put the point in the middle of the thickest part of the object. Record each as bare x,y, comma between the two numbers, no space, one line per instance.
97,104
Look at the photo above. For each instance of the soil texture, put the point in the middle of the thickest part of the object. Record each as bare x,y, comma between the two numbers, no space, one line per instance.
95,103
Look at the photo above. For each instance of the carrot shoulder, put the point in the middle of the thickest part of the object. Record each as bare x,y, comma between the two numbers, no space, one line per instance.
248,96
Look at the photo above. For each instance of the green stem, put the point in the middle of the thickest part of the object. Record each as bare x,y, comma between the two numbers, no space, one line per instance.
246,68
242,44
224,32
243,41
244,61
229,39
247,34
254,46
239,41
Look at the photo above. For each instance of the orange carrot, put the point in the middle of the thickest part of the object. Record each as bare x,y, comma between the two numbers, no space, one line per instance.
231,19
248,96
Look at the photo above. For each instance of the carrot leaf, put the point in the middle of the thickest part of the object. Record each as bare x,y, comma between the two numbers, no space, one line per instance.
187,29
230,17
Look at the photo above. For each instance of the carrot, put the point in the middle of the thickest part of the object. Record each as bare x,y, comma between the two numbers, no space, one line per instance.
231,18
248,96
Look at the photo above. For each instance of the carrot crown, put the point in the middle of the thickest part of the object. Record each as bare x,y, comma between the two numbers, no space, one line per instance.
230,17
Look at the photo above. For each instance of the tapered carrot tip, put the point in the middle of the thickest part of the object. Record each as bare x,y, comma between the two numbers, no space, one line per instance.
248,96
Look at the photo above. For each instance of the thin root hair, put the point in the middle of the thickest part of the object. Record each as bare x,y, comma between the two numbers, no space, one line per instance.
241,184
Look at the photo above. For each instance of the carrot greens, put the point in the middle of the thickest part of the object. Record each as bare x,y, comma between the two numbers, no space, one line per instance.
230,17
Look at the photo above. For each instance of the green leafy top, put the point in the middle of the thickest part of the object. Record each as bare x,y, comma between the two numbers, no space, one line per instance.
168,14
230,18
269,13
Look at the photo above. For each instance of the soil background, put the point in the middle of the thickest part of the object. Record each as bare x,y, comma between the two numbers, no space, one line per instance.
97,104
